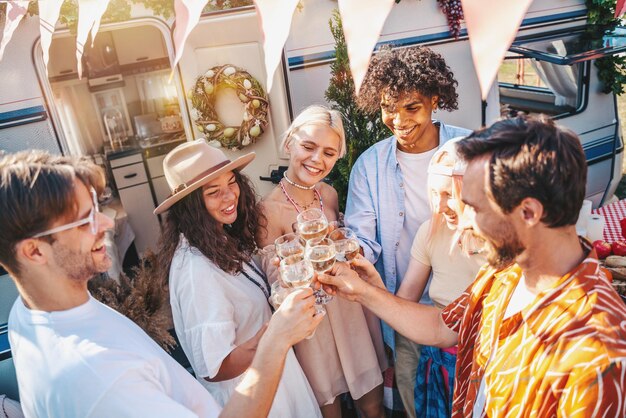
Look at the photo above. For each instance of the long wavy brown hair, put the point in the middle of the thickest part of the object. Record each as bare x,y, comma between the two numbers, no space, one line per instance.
227,246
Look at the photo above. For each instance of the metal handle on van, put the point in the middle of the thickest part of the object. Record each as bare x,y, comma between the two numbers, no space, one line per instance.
130,176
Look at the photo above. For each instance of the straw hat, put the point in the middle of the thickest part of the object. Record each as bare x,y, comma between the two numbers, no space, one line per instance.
436,167
192,165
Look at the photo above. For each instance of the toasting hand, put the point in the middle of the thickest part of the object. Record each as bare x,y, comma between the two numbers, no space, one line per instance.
296,318
341,280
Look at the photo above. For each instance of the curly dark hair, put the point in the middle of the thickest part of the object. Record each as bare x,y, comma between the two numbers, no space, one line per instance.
228,246
401,70
530,156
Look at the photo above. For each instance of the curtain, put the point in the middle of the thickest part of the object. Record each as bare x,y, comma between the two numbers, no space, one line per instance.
77,130
561,79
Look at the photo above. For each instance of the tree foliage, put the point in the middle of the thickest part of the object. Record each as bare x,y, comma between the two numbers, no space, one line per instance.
362,129
612,69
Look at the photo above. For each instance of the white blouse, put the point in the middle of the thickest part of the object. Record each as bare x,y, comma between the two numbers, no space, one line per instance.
213,313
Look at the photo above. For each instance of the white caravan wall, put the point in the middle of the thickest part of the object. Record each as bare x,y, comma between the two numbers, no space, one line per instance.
235,38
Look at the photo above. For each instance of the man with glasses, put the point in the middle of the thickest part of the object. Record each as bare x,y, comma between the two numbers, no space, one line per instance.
73,355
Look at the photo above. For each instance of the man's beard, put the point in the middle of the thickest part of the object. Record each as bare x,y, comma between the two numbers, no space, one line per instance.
79,266
503,255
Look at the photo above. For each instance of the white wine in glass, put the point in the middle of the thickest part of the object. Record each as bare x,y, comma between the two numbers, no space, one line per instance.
288,244
346,244
313,229
312,224
296,271
322,254
279,294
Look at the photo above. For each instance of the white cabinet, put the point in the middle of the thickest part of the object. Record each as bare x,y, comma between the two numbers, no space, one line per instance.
157,177
62,57
134,190
150,39
161,189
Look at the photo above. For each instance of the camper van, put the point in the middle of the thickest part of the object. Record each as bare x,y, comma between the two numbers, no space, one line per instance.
131,107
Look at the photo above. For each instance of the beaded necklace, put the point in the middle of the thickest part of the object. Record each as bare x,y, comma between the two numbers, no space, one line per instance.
298,207
294,184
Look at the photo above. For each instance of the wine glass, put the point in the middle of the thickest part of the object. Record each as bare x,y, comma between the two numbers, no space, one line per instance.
346,244
321,252
296,271
278,295
312,224
288,244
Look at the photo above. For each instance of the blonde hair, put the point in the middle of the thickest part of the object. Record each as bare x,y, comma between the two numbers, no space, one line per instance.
317,115
447,160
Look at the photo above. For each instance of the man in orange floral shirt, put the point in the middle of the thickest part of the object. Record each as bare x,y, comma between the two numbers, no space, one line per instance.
541,332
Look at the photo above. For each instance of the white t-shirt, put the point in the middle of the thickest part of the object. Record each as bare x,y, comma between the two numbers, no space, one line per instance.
452,272
521,298
90,361
414,169
213,313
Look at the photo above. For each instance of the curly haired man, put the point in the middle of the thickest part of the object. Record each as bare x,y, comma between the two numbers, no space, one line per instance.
387,195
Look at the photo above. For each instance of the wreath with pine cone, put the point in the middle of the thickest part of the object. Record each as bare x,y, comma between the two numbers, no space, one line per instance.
249,91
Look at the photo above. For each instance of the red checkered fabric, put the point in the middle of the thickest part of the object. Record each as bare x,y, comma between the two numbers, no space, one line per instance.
612,213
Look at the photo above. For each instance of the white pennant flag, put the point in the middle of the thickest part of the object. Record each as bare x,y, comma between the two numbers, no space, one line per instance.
16,10
89,14
275,19
48,15
187,17
362,23
491,27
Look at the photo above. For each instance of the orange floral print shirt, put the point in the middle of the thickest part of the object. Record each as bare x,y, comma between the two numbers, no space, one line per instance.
564,355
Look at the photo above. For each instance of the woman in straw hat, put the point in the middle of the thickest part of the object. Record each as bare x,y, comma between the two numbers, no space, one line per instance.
218,295
341,356
452,253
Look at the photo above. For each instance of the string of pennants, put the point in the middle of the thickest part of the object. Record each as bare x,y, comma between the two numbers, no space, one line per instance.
489,34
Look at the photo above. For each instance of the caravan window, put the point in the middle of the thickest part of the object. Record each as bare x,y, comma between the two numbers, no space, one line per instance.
550,73
530,85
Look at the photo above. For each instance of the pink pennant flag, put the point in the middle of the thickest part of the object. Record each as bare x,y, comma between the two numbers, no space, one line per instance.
491,27
620,8
275,19
48,15
362,23
89,14
187,17
16,10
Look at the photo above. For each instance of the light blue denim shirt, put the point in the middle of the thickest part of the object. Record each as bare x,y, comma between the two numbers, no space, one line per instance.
375,207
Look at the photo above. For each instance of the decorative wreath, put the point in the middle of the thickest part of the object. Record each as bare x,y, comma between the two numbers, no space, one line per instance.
250,93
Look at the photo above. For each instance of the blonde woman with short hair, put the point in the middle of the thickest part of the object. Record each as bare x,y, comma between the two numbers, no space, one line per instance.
341,357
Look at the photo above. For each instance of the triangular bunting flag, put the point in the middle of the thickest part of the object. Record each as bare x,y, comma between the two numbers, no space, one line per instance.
187,17
620,8
48,15
362,23
491,27
15,12
275,19
89,14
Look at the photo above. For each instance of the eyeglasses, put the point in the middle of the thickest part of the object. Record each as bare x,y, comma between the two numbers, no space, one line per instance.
91,219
